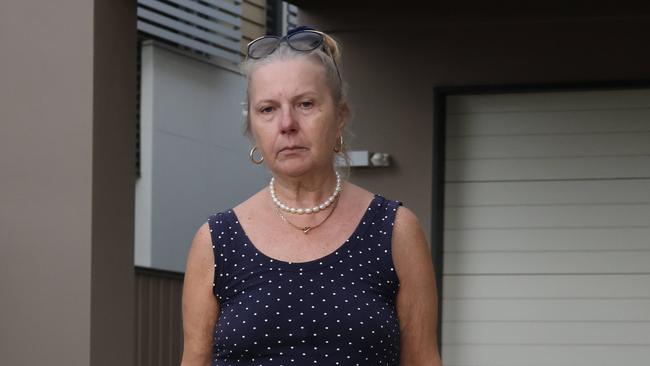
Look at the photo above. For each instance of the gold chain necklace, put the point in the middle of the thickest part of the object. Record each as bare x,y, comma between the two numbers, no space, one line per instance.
305,229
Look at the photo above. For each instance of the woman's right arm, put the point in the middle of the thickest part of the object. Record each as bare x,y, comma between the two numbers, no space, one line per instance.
200,307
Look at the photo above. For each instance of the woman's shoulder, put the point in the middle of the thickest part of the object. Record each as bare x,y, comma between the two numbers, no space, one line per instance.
407,230
368,196
200,255
364,198
221,214
250,205
357,194
404,219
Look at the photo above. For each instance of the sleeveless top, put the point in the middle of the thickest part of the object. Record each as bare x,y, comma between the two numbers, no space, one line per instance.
335,310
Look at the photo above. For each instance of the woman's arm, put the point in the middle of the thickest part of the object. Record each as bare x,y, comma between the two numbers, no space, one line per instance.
200,306
417,303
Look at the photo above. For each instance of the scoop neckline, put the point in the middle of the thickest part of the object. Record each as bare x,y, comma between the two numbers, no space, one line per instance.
346,247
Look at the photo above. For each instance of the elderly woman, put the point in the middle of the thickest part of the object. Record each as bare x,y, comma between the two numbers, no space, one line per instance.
311,269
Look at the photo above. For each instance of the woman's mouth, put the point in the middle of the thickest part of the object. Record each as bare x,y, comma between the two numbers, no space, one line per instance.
291,150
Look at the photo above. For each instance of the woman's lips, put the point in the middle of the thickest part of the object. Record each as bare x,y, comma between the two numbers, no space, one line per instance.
291,150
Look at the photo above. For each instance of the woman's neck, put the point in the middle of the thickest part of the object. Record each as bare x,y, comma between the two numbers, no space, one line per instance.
307,191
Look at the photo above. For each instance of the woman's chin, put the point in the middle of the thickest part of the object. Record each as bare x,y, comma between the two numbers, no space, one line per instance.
294,167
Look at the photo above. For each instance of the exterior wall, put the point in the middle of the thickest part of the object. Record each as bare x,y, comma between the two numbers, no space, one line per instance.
46,95
67,112
392,68
194,155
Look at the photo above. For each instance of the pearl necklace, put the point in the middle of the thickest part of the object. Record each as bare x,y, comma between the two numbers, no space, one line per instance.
311,210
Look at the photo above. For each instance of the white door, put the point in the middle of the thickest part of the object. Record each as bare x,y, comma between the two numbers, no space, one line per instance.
547,229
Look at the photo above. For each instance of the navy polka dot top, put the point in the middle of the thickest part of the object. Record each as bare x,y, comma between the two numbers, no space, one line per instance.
336,310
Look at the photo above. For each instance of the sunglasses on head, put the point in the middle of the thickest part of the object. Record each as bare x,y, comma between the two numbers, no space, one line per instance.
302,39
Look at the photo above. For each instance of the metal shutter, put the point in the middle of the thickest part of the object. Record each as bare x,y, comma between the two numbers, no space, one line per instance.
547,229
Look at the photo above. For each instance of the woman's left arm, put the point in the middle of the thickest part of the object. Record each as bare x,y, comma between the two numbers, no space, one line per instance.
417,302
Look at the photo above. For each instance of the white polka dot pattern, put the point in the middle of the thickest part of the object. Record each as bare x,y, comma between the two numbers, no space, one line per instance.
336,310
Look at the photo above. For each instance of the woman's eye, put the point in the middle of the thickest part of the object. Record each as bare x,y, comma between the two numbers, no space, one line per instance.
306,104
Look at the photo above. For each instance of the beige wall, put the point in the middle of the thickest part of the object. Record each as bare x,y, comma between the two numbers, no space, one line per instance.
67,109
392,66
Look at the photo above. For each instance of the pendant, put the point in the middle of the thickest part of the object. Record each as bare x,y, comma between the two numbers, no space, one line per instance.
306,229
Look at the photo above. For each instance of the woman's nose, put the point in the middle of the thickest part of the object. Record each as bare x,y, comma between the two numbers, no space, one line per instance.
288,122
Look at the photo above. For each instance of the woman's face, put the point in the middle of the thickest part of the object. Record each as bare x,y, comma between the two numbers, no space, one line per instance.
293,118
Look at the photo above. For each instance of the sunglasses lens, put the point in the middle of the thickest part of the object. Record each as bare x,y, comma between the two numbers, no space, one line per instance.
305,41
262,47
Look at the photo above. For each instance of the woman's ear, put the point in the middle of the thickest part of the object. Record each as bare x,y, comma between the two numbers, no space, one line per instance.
343,115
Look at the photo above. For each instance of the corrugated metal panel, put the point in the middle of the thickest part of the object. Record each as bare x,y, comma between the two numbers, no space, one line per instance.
209,27
159,333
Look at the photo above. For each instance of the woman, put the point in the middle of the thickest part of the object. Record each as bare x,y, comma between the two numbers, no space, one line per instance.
311,269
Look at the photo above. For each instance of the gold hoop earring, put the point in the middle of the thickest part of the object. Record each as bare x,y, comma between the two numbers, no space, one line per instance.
340,147
251,155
